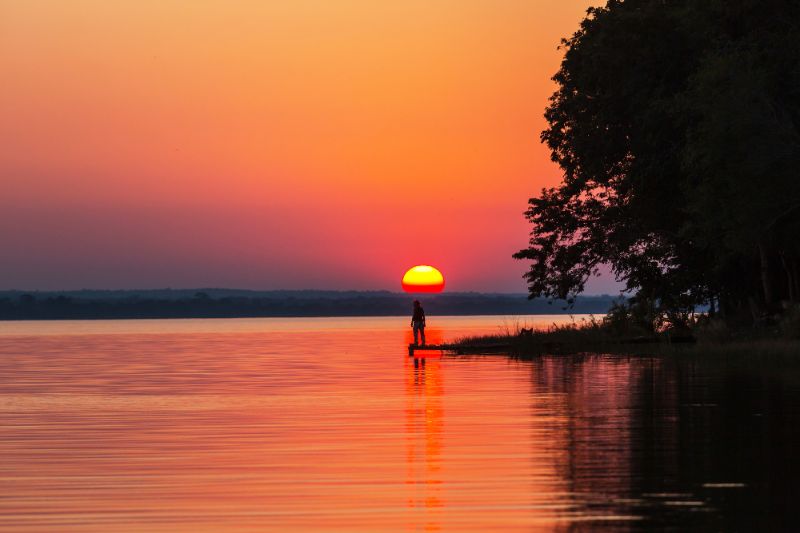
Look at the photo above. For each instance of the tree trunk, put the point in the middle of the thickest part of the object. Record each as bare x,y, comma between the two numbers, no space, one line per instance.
796,277
790,282
766,279
755,312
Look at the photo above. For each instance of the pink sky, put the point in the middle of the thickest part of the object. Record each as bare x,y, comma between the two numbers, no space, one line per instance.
305,144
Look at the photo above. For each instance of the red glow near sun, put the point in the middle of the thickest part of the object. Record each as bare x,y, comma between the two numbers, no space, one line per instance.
423,278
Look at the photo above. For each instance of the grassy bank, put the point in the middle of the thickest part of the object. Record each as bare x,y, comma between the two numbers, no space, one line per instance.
706,338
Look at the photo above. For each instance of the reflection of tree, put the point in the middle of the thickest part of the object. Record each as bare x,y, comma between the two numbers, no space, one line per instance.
424,423
677,443
606,427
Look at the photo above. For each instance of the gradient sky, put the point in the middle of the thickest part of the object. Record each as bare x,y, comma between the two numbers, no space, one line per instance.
255,144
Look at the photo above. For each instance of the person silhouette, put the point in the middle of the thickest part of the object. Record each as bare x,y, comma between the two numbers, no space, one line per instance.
418,322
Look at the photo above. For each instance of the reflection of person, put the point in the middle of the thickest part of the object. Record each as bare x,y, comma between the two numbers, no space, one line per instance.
418,322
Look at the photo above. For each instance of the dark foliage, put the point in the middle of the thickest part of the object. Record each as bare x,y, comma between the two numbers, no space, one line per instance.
677,126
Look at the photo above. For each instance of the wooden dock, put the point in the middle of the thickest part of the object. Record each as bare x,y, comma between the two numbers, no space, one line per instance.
460,348
435,347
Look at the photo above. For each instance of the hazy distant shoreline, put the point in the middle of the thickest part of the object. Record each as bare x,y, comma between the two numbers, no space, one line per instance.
233,303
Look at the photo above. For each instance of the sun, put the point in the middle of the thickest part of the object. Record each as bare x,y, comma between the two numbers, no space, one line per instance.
423,278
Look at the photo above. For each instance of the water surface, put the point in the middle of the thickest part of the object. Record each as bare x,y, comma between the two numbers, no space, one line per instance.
326,424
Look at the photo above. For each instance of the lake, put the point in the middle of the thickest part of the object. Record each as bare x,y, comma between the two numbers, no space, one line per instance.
325,424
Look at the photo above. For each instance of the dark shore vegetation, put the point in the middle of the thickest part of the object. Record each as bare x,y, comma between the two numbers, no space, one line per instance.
677,127
622,332
224,303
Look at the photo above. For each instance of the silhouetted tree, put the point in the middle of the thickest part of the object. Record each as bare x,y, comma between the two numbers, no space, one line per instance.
676,125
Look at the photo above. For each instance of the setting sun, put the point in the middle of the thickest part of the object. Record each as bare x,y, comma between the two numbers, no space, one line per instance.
423,278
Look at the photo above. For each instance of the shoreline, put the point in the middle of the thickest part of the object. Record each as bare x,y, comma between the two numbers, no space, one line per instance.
519,347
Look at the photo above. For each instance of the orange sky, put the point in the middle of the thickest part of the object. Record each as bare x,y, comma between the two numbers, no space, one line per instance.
255,144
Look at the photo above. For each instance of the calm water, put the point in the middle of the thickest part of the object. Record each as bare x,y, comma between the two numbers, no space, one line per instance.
327,425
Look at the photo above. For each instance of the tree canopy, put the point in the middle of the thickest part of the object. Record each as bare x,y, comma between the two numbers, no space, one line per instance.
677,126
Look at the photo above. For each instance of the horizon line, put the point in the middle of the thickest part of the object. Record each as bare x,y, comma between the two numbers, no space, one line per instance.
205,289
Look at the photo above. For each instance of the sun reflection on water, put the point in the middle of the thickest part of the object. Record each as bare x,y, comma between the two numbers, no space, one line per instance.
424,425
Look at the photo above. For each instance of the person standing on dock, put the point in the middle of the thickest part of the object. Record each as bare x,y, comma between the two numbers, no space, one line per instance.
418,322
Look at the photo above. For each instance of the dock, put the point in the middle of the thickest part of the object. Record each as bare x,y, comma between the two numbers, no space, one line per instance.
435,347
461,349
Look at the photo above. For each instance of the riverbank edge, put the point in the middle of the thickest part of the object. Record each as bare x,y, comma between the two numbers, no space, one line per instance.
535,345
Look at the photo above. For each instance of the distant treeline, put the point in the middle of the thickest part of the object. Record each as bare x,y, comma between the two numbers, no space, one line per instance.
223,303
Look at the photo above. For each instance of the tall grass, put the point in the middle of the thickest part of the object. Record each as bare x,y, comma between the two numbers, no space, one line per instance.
595,335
